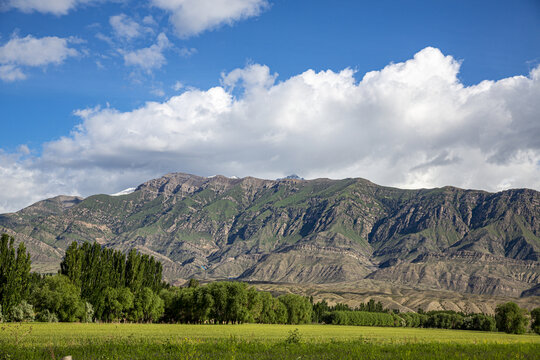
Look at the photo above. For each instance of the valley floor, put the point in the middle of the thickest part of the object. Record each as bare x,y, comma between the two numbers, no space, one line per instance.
255,341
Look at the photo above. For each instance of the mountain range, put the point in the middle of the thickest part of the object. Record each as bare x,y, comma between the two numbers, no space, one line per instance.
299,231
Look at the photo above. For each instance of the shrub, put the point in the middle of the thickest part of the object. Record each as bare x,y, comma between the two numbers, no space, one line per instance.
22,312
88,312
46,316
294,337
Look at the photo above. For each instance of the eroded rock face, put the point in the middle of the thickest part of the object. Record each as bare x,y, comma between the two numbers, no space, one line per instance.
303,231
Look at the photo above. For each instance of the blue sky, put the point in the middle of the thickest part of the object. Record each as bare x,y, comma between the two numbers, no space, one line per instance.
71,68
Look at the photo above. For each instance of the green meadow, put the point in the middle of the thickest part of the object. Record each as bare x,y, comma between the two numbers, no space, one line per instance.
255,341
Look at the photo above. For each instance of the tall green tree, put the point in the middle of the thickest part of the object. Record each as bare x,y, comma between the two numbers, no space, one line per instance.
148,306
298,308
535,317
71,265
14,273
510,318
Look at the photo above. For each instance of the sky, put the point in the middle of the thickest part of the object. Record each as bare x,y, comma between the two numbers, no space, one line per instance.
97,96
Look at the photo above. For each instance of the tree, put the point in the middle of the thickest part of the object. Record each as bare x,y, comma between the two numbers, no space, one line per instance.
202,304
169,299
479,322
148,306
254,305
58,295
193,283
93,269
319,309
14,273
298,308
535,317
510,318
71,264
114,304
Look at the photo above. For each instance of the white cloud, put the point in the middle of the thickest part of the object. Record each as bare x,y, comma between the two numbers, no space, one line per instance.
187,52
192,17
149,20
56,7
158,92
124,27
149,58
250,77
11,73
33,52
411,124
23,149
177,86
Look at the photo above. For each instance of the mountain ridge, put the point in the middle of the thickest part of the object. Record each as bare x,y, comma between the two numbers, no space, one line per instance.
304,231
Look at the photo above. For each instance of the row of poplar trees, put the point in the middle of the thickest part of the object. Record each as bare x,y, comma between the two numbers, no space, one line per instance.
118,286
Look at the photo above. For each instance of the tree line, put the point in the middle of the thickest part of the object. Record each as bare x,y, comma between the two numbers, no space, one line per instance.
99,284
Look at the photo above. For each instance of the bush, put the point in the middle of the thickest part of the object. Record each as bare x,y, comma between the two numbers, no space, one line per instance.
22,312
294,337
47,316
510,318
88,312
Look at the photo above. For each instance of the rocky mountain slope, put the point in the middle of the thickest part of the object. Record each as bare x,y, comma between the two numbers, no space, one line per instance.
304,231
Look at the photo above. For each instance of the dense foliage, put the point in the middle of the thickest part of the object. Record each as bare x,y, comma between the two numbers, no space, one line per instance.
14,273
535,320
235,303
360,318
93,268
99,284
510,318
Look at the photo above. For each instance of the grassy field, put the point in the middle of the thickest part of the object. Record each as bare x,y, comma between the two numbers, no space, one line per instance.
251,341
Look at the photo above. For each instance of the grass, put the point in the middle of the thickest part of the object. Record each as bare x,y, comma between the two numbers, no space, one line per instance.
249,341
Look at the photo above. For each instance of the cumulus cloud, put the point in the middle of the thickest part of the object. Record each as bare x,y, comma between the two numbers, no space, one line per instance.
149,58
32,52
56,7
411,124
124,27
192,17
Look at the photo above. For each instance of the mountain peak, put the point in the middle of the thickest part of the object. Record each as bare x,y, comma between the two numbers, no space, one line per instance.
291,177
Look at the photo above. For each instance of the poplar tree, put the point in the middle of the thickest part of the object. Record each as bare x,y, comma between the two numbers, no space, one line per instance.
14,273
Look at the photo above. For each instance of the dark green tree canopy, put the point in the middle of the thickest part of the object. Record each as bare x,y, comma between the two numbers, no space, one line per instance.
14,273
510,318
